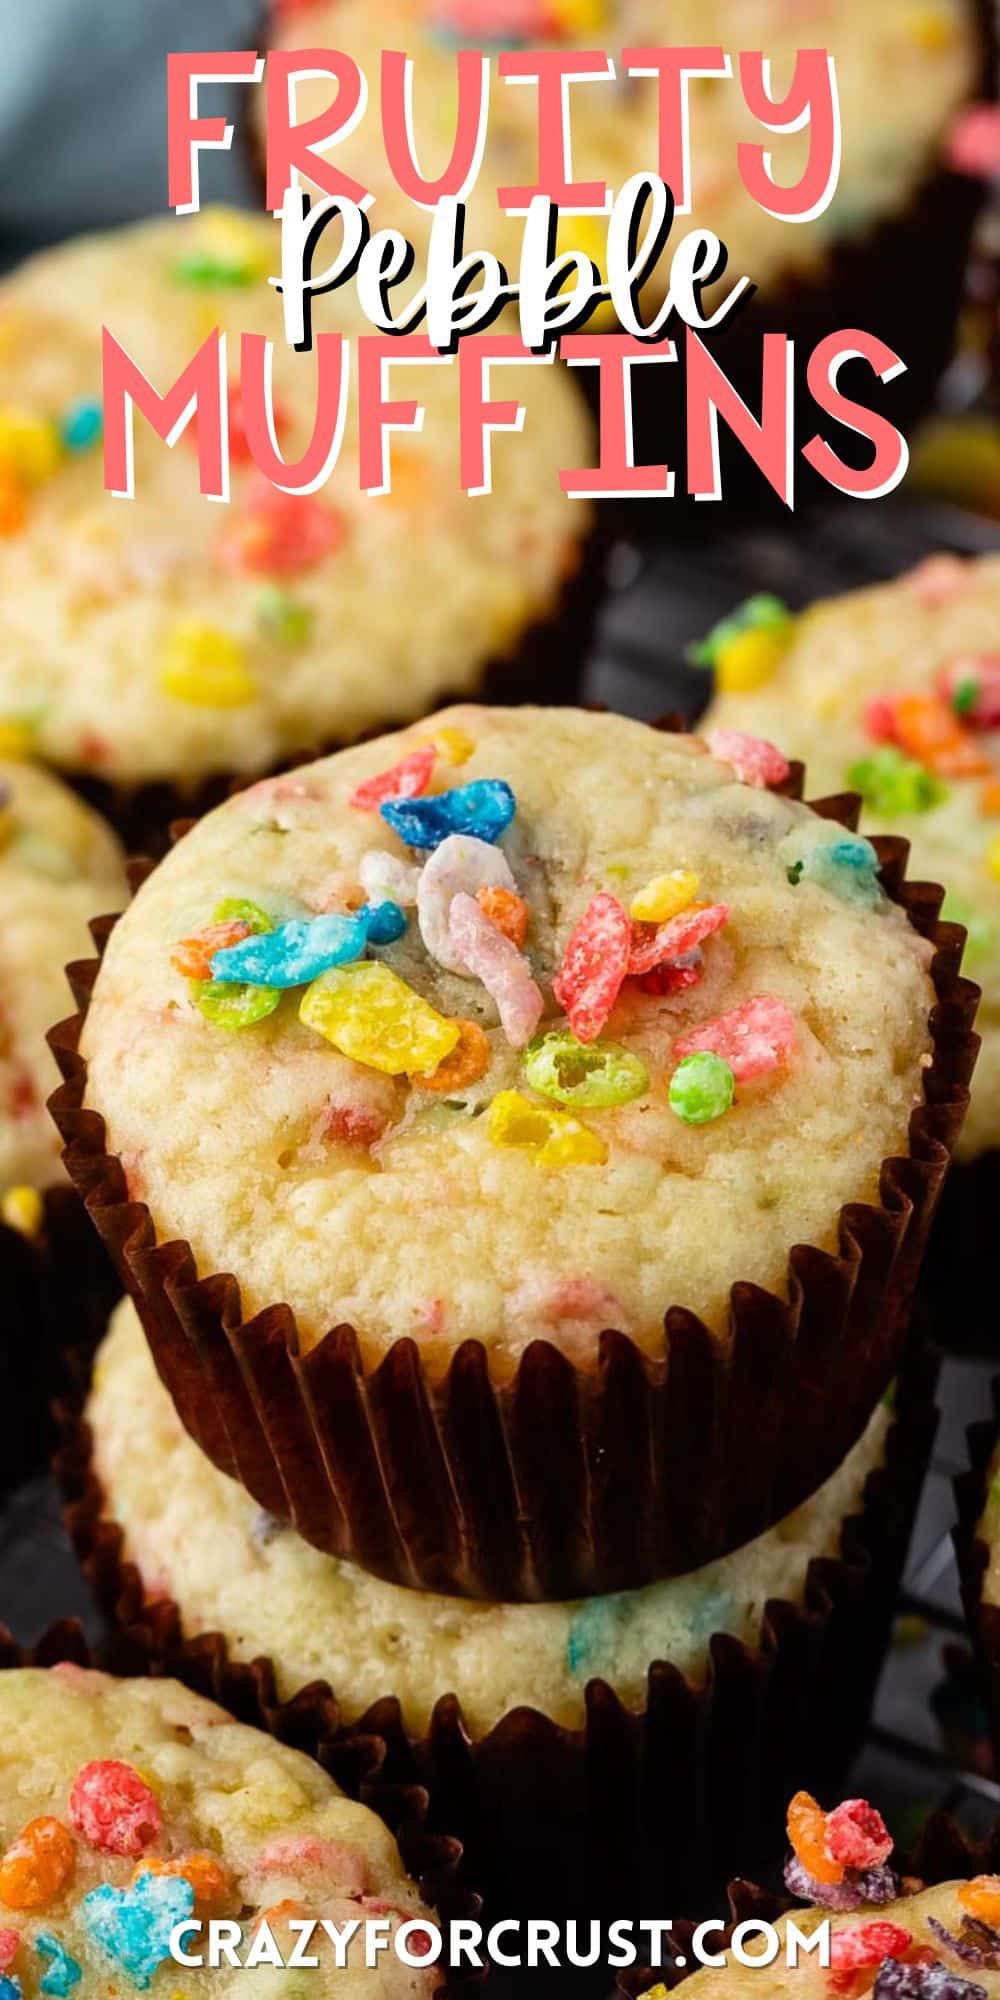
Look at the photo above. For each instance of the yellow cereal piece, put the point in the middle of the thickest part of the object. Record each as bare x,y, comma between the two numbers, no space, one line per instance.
17,739
930,28
550,1138
13,503
30,445
232,238
588,234
22,1208
993,858
206,667
455,746
579,17
665,897
372,1016
750,659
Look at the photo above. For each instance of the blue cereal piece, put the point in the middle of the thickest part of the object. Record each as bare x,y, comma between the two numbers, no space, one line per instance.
64,1973
294,954
484,809
10,1987
386,922
848,868
595,1633
82,427
134,1926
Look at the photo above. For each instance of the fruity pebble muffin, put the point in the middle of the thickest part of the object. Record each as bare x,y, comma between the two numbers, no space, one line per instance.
59,866
130,1807
890,144
510,1028
162,639
890,1936
211,1562
894,692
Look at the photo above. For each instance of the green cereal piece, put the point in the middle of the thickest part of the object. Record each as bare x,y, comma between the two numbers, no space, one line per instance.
702,1089
598,1075
233,1007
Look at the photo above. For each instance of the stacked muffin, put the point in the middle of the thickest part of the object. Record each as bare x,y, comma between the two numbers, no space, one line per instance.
518,1136
894,692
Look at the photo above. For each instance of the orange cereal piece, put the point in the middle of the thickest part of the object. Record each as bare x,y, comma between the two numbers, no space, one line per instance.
37,1865
468,1061
206,1874
930,731
807,1833
981,1897
13,505
192,958
989,799
282,1913
508,912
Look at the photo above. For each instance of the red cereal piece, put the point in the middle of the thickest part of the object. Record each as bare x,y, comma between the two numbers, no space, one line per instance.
193,956
666,980
353,1125
278,534
595,963
880,719
662,944
10,1945
754,1040
972,684
113,1809
755,761
861,1948
408,779
856,1834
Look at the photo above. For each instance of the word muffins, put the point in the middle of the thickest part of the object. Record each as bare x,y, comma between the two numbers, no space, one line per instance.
468,1104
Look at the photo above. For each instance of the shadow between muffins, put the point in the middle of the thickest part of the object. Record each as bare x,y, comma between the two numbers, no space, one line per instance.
539,1488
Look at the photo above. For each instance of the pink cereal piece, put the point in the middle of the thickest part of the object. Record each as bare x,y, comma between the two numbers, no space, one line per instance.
420,1943
857,1835
10,1945
595,965
113,1809
755,761
754,1039
938,580
408,779
503,970
317,1864
861,1949
583,1299
880,719
974,142
665,943
353,1125
984,670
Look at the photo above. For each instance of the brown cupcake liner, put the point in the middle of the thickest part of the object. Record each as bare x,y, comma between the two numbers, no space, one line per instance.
61,1278
636,1812
569,1480
546,665
353,1758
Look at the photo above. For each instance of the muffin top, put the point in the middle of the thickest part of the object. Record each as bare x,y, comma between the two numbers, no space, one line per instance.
168,637
890,139
131,1806
911,1939
59,867
895,692
198,1538
517,1023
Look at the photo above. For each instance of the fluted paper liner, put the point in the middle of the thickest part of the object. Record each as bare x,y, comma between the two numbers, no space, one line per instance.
545,664
353,1758
638,1812
60,1278
572,1479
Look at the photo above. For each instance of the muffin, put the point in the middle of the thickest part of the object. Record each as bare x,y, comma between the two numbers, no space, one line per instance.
893,1936
438,1174
59,866
159,641
888,692
890,145
522,1675
132,1806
